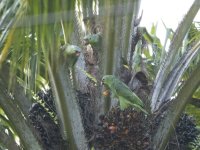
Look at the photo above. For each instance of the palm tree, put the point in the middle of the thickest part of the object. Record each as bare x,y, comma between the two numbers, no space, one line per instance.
32,34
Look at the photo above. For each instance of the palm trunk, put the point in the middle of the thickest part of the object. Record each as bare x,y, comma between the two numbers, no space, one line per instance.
67,107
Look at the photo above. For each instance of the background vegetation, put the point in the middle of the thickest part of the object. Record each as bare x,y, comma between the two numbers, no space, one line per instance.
31,37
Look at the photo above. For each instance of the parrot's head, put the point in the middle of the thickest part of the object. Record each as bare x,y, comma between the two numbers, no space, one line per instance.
72,50
92,39
107,80
70,54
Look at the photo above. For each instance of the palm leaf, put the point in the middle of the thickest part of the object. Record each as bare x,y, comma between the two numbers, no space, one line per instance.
173,49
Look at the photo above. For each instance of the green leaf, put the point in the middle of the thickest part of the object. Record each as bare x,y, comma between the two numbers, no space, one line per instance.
197,93
153,29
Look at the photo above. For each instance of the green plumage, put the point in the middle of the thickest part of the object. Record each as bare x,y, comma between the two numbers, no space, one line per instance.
93,39
125,96
71,54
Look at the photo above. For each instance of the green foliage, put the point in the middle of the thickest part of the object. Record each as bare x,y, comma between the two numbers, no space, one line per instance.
149,51
32,34
5,124
194,33
195,145
197,93
32,43
194,111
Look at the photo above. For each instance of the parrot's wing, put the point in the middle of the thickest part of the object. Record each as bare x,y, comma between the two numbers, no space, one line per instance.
122,90
111,86
138,107
124,103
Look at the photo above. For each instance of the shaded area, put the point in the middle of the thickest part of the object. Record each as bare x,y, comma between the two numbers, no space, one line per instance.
185,132
48,131
120,130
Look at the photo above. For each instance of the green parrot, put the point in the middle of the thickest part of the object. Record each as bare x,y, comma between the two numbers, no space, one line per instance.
93,39
71,54
125,96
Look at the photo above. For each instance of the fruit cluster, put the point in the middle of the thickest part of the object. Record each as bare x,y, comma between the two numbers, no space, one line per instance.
119,129
185,133
47,100
46,128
